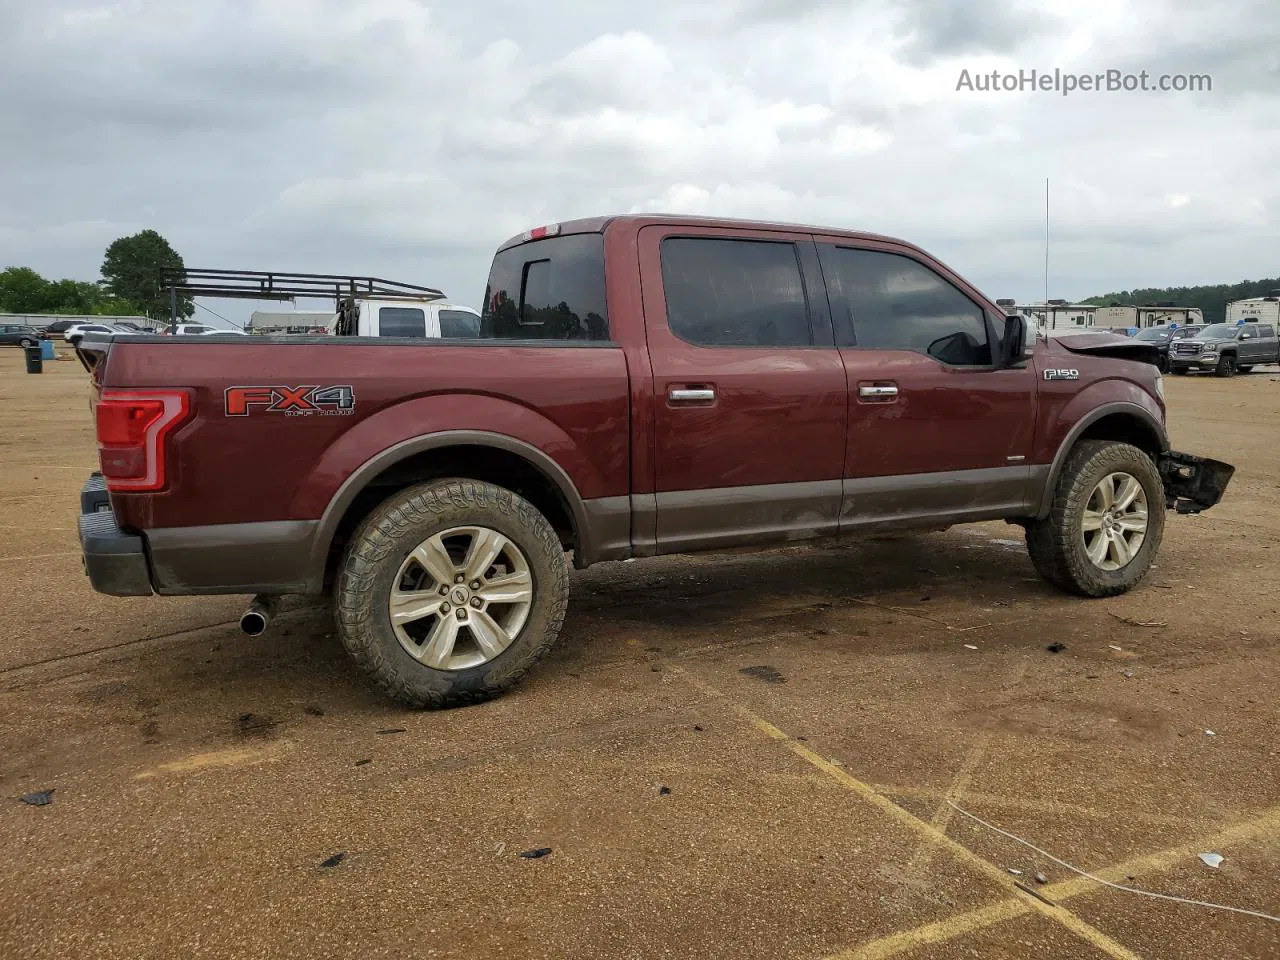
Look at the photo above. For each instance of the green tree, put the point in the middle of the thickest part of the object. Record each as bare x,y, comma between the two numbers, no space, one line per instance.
22,290
133,270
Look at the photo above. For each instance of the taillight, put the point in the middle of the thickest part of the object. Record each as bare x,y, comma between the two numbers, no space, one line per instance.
132,428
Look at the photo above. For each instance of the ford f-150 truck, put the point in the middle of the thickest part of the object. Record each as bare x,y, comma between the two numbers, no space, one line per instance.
642,385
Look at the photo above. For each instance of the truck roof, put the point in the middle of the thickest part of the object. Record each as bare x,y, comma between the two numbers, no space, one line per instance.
600,224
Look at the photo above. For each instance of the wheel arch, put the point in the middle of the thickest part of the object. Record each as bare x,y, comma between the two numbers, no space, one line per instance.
467,454
1122,422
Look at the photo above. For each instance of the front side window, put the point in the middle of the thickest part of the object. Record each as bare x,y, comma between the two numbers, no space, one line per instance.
892,302
549,289
402,322
739,293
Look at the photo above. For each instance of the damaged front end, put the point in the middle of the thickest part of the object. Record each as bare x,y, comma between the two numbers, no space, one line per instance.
1192,483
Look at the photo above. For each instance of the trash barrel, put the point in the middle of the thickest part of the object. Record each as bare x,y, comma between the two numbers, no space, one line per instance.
46,350
34,363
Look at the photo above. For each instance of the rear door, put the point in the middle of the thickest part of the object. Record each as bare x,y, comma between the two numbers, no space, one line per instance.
1266,347
749,390
936,431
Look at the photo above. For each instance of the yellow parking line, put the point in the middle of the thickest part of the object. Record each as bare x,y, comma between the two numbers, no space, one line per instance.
1022,803
905,818
1265,825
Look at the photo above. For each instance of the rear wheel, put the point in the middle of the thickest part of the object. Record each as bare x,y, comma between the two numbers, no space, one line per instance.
26,342
450,592
1226,366
1106,523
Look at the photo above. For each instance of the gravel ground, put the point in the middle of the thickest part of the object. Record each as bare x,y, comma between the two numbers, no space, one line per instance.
811,710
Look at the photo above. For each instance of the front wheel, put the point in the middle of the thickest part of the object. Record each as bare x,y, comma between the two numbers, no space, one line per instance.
1226,366
450,592
1106,523
26,342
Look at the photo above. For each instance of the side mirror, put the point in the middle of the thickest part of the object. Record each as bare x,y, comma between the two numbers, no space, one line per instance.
1013,345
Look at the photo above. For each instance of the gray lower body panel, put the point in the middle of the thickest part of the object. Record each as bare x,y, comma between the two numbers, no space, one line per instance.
941,499
608,532
269,557
740,516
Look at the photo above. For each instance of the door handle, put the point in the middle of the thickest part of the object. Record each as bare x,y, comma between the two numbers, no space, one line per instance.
691,394
877,391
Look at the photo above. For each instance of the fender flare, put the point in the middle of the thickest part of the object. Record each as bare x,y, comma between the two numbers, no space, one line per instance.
1073,435
362,476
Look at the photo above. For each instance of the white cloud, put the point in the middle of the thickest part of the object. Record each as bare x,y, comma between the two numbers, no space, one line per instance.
407,140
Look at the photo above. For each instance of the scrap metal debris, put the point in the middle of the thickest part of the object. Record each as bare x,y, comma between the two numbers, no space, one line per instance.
1212,859
333,861
1034,892
535,854
1056,647
41,798
1139,623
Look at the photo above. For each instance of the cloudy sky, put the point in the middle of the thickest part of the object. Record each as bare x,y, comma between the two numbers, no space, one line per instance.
405,138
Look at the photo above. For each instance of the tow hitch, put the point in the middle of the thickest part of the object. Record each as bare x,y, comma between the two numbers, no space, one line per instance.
1192,483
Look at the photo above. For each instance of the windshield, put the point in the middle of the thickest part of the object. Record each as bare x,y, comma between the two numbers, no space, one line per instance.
1219,331
1186,332
1156,333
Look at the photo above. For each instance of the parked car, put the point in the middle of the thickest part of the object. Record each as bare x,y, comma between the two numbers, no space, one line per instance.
1161,337
199,329
73,333
20,335
1227,348
60,326
646,385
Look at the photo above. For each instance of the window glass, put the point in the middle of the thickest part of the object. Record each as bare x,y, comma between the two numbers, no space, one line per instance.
896,303
744,293
458,324
401,322
549,289
1266,331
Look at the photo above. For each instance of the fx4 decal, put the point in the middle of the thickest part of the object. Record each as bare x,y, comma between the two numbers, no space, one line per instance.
303,401
1066,374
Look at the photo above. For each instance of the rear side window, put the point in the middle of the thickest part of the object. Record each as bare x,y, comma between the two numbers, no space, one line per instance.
891,302
458,324
550,289
1266,331
401,322
737,293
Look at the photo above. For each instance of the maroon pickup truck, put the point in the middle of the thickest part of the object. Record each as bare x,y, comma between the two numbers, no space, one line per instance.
642,385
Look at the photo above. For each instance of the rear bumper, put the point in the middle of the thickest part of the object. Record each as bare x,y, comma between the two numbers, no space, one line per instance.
274,557
115,561
1192,483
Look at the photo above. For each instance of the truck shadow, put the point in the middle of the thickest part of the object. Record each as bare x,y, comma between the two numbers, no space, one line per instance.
709,589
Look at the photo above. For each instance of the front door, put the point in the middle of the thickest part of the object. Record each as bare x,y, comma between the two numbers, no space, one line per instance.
749,389
937,431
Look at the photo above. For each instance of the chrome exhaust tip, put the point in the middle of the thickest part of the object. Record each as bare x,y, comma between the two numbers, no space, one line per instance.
254,621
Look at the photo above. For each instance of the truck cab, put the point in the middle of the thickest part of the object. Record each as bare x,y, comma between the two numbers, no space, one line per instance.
417,319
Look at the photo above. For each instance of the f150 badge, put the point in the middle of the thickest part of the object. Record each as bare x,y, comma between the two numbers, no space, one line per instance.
1064,374
303,401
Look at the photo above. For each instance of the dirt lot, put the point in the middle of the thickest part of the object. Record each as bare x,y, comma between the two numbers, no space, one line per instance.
811,711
